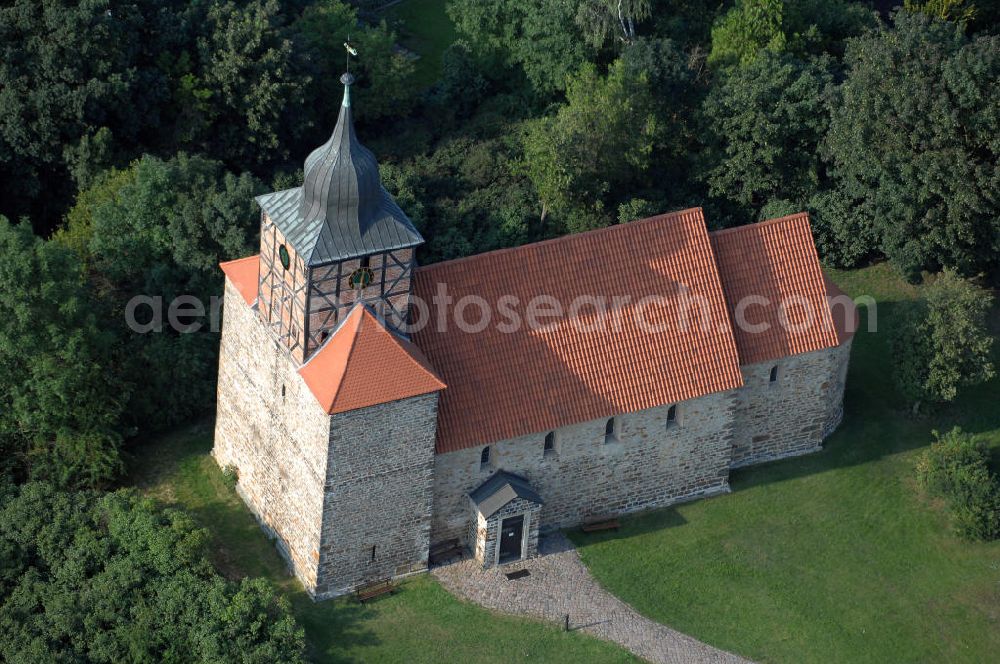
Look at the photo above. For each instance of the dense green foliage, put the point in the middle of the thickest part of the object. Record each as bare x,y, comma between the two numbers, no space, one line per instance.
956,467
60,402
540,36
767,120
112,578
603,137
913,146
753,27
943,341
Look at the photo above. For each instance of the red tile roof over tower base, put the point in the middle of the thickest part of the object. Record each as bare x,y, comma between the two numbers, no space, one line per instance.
244,272
364,364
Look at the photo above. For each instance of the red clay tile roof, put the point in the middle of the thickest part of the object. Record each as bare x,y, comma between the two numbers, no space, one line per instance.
363,364
502,385
775,259
243,272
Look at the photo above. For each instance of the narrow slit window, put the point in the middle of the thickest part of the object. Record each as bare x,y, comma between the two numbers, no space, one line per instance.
611,431
484,457
550,444
672,415
773,378
373,553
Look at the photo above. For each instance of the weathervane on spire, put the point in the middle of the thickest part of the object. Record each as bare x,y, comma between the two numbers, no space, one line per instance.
350,51
348,78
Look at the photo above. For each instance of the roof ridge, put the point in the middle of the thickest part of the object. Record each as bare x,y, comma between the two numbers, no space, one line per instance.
350,349
671,216
758,224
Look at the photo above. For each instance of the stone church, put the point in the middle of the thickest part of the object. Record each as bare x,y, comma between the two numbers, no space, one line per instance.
362,440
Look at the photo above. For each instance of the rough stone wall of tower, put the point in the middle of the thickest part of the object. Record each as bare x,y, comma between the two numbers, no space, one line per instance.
378,501
794,414
653,463
271,428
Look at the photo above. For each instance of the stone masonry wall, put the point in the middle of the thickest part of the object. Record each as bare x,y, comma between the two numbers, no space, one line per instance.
378,500
651,464
840,359
270,427
794,414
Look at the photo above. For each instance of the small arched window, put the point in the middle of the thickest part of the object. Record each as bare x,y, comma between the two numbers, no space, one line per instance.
773,377
549,448
484,457
672,415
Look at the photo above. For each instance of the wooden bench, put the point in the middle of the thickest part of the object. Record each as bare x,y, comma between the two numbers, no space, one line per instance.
444,551
602,523
375,589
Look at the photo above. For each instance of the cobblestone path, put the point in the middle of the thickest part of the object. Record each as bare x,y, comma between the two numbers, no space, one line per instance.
559,584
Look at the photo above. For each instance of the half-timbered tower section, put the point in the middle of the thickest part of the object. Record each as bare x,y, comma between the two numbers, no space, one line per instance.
338,239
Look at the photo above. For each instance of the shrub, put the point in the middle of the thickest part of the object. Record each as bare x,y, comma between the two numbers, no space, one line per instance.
955,468
231,476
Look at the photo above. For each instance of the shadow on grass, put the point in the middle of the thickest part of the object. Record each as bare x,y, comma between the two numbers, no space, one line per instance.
877,424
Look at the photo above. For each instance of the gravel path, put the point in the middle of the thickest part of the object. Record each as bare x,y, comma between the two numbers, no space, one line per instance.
559,584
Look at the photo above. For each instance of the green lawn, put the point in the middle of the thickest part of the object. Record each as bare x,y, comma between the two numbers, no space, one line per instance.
420,623
424,28
833,557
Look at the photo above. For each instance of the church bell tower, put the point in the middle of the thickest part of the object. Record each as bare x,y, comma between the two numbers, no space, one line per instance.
338,239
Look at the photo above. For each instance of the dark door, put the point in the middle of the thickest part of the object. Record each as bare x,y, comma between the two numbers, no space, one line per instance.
511,532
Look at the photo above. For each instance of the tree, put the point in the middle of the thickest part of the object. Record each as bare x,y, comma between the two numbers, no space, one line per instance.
749,27
248,77
765,123
601,19
594,145
68,69
960,11
800,27
943,343
384,85
160,230
60,404
913,151
110,578
540,36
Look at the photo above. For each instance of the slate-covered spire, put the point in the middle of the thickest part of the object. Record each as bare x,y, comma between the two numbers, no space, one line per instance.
341,211
341,176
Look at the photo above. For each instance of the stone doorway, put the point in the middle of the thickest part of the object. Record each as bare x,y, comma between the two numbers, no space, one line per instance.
505,520
511,540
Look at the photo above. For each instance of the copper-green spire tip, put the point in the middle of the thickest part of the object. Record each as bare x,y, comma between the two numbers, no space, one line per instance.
347,79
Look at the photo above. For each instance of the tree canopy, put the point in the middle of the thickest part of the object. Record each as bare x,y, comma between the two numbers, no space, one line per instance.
766,121
111,578
914,151
944,342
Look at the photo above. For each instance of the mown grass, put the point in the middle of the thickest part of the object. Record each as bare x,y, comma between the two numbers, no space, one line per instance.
423,27
833,557
420,623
